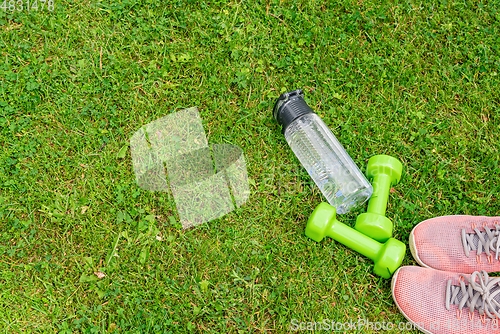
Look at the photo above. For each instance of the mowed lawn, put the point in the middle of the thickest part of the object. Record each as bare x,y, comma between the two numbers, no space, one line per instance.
413,79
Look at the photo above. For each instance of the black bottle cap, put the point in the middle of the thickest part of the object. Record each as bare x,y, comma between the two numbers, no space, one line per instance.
289,107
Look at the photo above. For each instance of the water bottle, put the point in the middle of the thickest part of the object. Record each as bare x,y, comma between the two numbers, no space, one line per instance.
321,154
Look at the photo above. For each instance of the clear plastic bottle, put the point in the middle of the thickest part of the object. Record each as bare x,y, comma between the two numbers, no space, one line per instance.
321,154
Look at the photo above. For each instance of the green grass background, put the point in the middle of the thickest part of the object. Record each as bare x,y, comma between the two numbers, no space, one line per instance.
417,80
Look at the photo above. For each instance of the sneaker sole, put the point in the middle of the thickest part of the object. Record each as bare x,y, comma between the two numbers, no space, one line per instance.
413,248
393,284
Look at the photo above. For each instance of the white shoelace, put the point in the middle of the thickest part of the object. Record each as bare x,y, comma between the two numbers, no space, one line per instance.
483,295
479,241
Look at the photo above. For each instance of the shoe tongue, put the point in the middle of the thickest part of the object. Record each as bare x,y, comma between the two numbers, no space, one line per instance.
475,240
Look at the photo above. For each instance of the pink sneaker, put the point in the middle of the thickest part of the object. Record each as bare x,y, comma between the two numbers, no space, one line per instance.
460,244
440,302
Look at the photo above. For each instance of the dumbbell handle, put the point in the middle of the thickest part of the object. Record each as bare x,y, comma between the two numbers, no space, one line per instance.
387,256
381,188
353,239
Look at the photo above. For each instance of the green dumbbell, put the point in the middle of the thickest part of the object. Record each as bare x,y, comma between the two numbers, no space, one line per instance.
386,172
387,257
